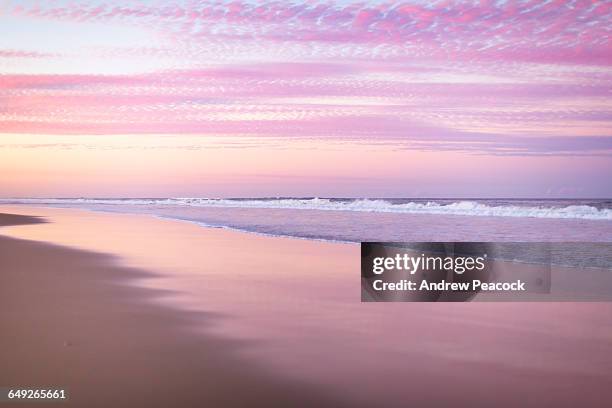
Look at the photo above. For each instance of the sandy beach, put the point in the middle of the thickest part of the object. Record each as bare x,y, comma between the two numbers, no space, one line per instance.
129,310
70,321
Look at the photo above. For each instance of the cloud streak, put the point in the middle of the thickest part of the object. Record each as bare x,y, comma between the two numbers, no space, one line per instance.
532,77
546,31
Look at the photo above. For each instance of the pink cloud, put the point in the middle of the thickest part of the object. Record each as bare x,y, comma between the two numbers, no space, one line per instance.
309,100
362,71
522,31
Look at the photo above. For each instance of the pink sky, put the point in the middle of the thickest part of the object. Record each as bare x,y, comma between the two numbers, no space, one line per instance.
454,87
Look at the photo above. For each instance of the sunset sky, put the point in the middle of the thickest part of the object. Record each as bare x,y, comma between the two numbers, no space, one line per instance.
306,98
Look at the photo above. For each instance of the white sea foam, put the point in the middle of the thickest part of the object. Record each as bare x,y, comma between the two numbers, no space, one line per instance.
468,208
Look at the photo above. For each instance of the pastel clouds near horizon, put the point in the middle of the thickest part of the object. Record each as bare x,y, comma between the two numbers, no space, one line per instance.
518,80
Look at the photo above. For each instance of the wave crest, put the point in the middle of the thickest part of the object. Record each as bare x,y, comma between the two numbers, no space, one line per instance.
467,208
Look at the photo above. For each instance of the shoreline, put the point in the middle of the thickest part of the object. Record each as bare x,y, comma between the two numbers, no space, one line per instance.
351,227
205,225
74,321
201,224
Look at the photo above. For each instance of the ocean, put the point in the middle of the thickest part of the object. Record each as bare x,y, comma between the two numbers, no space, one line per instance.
374,219
575,222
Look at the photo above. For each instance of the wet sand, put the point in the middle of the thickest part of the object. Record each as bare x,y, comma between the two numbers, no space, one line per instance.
230,319
68,320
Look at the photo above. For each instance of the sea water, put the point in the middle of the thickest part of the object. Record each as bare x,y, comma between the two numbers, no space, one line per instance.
573,221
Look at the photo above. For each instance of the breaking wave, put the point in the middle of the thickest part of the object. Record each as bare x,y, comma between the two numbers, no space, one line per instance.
468,208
